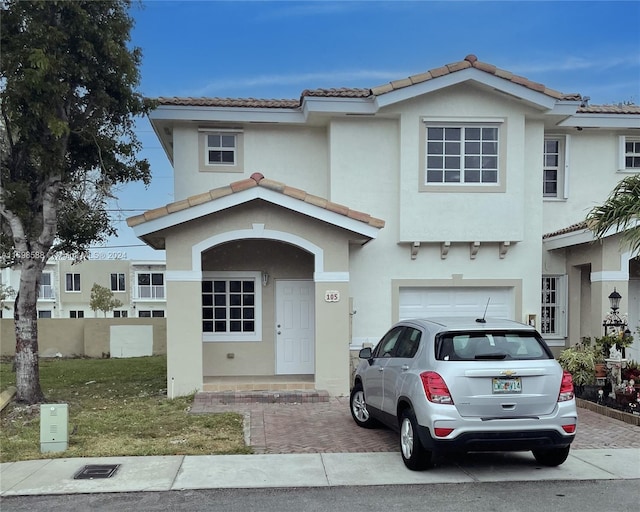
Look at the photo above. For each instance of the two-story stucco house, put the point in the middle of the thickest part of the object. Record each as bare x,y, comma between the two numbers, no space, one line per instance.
304,228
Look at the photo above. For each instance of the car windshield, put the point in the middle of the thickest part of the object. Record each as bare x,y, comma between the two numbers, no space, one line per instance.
492,345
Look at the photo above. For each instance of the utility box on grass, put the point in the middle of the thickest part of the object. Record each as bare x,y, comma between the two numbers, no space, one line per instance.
54,427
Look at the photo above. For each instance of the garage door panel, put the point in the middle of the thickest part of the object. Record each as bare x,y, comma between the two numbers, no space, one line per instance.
459,301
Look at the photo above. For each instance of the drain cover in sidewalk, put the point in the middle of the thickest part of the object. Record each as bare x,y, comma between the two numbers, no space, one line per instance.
96,471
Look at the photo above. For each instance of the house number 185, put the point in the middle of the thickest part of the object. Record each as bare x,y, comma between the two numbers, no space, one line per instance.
331,296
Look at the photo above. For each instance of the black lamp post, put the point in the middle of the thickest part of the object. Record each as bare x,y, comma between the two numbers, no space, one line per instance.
612,322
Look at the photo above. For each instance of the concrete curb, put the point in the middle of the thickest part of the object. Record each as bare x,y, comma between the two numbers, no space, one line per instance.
6,396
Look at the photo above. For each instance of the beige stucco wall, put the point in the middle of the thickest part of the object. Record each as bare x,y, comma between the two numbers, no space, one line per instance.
231,247
72,337
296,155
376,167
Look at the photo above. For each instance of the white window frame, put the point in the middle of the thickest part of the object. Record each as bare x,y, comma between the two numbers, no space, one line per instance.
76,313
75,280
45,313
156,291
256,335
151,313
118,282
462,155
238,150
562,167
46,291
622,153
554,335
120,313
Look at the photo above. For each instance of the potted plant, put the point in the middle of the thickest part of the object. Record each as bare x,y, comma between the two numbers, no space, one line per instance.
580,361
620,341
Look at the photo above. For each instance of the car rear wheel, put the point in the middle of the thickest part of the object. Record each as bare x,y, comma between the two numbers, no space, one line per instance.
553,457
358,407
414,455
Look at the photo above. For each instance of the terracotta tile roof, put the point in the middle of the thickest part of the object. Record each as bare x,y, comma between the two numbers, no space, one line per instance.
610,109
579,226
256,180
229,102
470,61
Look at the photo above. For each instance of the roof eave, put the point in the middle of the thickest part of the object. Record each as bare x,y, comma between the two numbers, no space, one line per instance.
631,121
564,240
538,100
148,230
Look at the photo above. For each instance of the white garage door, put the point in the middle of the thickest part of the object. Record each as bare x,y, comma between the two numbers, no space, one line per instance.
456,301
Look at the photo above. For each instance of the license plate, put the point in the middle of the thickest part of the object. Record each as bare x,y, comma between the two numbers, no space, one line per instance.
507,385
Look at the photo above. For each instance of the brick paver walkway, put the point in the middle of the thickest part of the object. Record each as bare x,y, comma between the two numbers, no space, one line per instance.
327,427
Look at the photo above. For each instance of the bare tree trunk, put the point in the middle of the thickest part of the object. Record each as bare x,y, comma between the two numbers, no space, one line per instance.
26,324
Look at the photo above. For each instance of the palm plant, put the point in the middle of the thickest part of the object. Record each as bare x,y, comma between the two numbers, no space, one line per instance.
621,211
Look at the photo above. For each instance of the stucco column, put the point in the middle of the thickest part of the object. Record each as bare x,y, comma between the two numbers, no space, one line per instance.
332,337
184,335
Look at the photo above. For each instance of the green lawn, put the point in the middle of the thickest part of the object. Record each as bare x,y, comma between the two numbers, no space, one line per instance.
116,407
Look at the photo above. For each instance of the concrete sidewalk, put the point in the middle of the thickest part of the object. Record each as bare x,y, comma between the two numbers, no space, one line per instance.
56,476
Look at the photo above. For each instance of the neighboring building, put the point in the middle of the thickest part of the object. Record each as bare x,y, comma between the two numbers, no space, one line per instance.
473,180
65,288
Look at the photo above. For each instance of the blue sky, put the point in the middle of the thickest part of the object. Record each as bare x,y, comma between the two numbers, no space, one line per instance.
276,49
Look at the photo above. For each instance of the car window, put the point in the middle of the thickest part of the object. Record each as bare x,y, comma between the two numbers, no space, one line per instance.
490,345
408,344
388,343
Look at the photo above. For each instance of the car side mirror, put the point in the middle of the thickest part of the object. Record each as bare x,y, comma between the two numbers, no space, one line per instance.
365,353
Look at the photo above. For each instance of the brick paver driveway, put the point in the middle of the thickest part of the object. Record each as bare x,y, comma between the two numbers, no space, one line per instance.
327,427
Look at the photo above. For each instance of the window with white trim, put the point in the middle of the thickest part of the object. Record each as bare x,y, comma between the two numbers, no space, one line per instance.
632,153
44,313
72,282
553,166
118,282
120,313
467,155
231,307
221,149
46,287
150,285
150,313
76,314
552,315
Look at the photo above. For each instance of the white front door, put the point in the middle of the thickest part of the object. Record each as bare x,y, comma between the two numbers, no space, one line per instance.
295,327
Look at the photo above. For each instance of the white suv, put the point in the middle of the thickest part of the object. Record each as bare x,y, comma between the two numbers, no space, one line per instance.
459,385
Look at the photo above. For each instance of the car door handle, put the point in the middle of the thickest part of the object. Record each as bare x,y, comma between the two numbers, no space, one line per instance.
380,369
404,367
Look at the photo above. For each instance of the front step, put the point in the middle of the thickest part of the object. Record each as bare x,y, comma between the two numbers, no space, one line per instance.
298,396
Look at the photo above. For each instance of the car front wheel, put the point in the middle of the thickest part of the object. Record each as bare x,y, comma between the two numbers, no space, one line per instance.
553,457
358,407
414,455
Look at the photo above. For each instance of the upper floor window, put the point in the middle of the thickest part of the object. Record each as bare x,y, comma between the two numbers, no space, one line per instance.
120,313
632,153
72,282
221,150
76,314
462,154
46,288
117,282
150,285
554,166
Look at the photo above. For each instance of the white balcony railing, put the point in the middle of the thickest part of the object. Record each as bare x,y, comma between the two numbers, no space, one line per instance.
151,291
